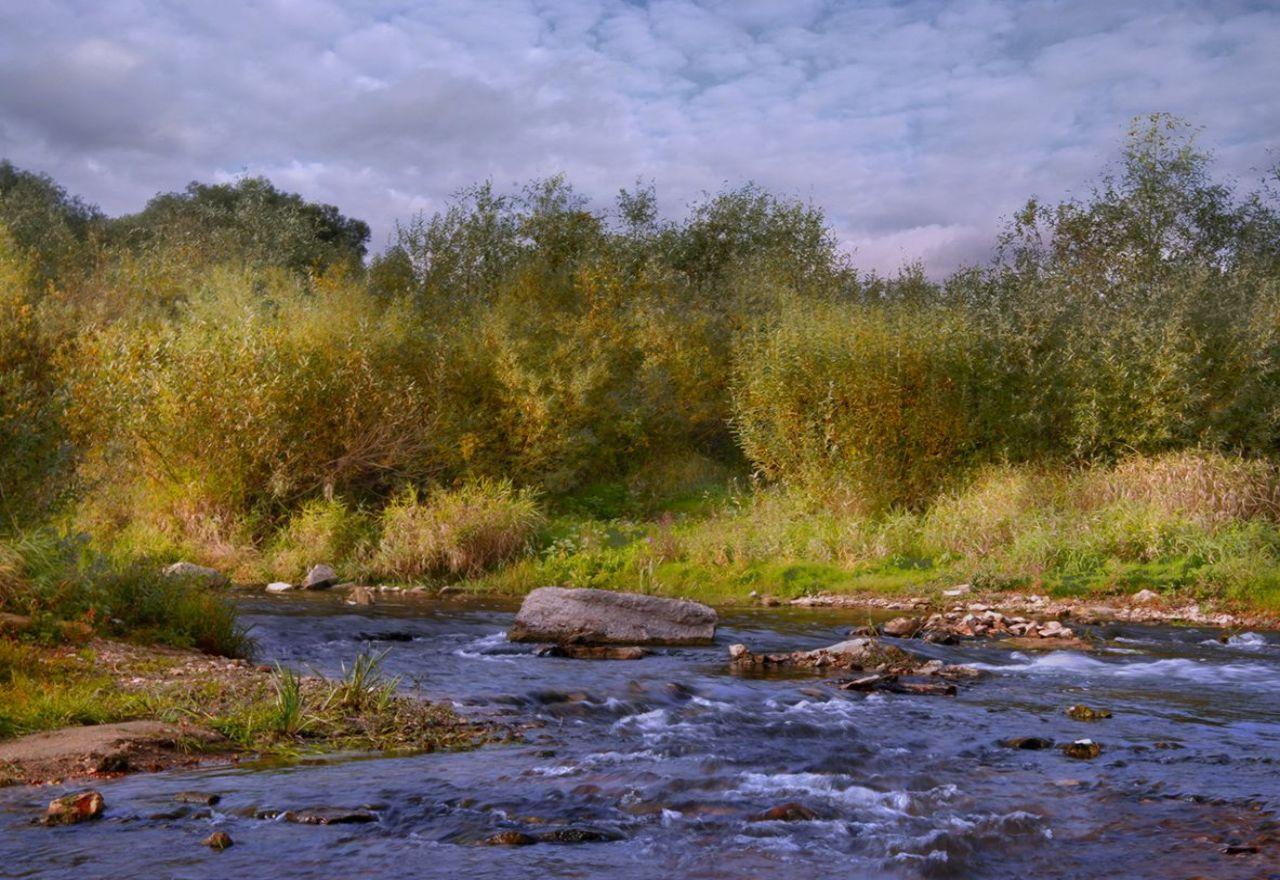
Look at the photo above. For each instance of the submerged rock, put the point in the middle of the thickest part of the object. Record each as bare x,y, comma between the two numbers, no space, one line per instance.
1084,713
70,809
320,577
579,834
1083,749
593,652
788,812
218,840
203,798
511,838
210,576
586,616
1029,743
330,816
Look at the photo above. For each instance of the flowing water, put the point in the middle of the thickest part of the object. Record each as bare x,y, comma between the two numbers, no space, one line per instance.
668,758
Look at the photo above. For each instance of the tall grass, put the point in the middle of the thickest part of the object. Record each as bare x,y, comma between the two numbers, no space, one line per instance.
456,532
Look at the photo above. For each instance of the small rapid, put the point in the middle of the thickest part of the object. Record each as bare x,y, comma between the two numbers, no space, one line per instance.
672,766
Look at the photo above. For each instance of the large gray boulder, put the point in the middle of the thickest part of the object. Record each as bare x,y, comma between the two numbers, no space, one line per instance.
191,571
321,577
557,614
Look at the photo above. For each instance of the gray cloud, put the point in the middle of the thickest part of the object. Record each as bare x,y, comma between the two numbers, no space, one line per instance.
916,125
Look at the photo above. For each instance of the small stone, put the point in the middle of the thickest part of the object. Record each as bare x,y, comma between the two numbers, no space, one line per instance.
1083,749
958,590
511,838
218,840
1146,597
788,812
770,601
1085,713
203,798
279,587
72,808
736,651
1029,743
361,596
593,652
320,577
1239,849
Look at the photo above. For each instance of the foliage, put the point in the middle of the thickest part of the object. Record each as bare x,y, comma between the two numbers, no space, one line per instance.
456,532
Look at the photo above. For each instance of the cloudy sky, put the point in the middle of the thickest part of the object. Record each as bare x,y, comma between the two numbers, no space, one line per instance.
915,124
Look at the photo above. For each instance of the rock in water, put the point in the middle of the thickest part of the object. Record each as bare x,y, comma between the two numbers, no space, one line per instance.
279,587
557,614
511,838
901,627
218,840
1083,749
361,596
789,812
321,577
1085,713
1030,743
72,808
210,576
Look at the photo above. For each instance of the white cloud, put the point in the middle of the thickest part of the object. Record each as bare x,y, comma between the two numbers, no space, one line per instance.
916,125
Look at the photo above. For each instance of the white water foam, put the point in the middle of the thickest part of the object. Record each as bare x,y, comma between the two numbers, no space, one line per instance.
1178,668
477,649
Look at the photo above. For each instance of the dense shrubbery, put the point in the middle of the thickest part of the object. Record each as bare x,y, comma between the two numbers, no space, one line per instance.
219,375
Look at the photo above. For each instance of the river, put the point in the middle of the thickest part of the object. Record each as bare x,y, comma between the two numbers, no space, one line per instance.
668,759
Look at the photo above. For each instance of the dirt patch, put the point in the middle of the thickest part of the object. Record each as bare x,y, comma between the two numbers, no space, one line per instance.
105,750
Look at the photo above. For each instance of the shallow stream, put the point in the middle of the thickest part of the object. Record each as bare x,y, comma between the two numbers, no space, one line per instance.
667,759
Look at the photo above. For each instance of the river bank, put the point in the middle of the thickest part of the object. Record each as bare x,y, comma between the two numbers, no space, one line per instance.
106,708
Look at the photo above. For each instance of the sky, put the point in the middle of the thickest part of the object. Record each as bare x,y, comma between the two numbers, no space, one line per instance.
916,125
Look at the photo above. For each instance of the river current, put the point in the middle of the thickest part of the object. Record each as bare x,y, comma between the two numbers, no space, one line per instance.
664,764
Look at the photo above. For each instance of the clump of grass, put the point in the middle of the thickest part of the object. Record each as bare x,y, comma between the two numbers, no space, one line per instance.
57,579
39,691
456,532
1207,486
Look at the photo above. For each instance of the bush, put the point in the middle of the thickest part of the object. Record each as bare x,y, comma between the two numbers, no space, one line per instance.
456,532
882,397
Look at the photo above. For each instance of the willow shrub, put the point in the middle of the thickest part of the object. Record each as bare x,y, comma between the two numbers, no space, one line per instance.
260,392
885,398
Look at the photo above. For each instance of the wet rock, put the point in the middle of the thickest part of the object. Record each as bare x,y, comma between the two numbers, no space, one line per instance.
170,815
1085,713
70,809
863,632
361,596
788,812
279,587
1029,743
330,816
579,834
1083,749
850,654
593,652
511,838
1239,849
923,688
865,683
189,570
901,627
218,840
203,798
320,577
396,635
586,616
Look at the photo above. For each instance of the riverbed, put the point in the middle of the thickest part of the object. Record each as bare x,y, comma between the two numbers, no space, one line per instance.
661,767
